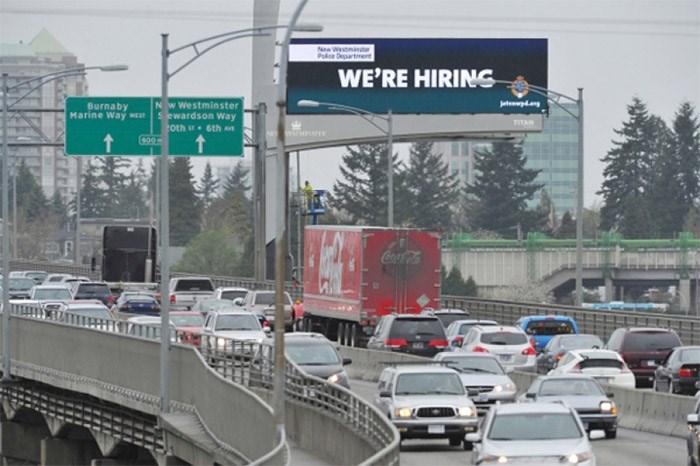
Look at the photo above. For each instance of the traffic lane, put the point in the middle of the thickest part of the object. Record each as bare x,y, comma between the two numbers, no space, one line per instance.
631,447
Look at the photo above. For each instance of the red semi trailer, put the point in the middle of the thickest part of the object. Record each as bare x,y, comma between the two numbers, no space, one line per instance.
353,275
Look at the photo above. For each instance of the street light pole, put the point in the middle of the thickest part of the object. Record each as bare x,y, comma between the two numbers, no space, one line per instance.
553,97
388,132
6,105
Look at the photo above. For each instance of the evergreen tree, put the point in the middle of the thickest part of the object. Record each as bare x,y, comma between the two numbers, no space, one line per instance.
431,189
209,253
208,186
237,181
92,203
546,209
470,288
637,222
567,229
628,165
113,181
31,199
59,210
501,190
685,146
185,211
453,284
133,197
361,193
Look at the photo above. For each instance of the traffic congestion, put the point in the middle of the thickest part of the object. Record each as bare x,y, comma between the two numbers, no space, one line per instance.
460,388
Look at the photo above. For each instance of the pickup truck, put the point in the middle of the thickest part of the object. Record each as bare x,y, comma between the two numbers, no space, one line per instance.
262,303
185,291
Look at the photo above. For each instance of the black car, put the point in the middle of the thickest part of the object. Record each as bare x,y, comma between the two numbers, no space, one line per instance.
559,345
93,290
678,373
422,335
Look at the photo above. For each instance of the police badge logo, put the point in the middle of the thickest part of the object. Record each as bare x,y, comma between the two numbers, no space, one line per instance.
520,87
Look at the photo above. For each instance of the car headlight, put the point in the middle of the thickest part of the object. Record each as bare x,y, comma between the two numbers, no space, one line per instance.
336,378
607,407
402,412
221,343
466,411
577,458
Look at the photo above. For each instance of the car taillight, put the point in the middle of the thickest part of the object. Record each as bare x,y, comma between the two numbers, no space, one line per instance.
479,349
459,340
575,369
683,372
110,299
529,351
559,356
624,368
439,343
172,299
265,323
533,343
395,343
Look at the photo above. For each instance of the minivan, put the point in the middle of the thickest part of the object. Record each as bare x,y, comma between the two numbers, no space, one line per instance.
643,349
421,335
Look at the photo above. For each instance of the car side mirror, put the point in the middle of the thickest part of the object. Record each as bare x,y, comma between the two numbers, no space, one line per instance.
238,301
266,330
472,437
347,361
385,394
530,395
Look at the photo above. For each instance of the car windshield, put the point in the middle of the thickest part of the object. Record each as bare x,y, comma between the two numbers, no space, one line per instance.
598,362
690,355
580,342
237,322
503,338
96,288
209,304
549,327
534,426
37,276
95,312
474,365
194,285
569,387
21,284
411,328
51,293
429,384
312,354
650,341
195,319
232,294
269,298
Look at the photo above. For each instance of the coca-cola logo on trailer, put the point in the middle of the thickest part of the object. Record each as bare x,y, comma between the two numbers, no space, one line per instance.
330,269
402,257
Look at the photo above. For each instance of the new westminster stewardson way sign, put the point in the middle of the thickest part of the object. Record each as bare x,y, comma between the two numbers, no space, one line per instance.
130,126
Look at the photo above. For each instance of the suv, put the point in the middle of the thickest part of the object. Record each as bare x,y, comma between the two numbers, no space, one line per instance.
427,401
509,343
541,329
93,290
421,335
643,349
459,328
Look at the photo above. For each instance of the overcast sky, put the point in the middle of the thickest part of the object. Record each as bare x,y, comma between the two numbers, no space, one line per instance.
614,49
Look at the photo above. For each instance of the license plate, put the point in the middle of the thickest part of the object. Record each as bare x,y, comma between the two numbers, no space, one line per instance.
419,345
436,429
603,379
651,363
482,399
506,357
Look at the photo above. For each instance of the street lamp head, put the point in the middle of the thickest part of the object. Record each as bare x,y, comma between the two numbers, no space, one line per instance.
114,68
308,27
308,103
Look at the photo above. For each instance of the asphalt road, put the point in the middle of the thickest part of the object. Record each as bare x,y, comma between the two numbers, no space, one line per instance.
631,447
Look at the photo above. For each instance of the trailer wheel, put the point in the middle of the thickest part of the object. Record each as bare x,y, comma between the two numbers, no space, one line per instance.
341,333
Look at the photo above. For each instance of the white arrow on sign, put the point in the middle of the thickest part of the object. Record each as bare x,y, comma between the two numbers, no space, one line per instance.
108,142
200,141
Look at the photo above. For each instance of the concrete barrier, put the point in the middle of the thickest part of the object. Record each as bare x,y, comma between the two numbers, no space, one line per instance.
643,410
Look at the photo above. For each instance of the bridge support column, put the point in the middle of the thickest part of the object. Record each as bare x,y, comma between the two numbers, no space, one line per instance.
609,290
684,288
19,441
59,451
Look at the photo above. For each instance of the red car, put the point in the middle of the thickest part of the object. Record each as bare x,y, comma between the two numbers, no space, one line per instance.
188,324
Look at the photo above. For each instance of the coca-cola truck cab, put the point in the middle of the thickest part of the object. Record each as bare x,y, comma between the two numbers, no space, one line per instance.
353,275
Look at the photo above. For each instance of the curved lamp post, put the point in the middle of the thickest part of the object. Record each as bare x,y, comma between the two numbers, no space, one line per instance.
35,82
554,98
388,132
208,43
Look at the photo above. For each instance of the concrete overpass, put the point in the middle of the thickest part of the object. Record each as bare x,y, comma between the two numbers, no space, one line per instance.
495,269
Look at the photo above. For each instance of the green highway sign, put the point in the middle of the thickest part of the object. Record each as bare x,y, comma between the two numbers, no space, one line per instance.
130,126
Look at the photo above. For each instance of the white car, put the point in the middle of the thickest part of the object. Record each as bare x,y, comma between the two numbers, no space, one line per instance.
606,366
508,343
230,330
